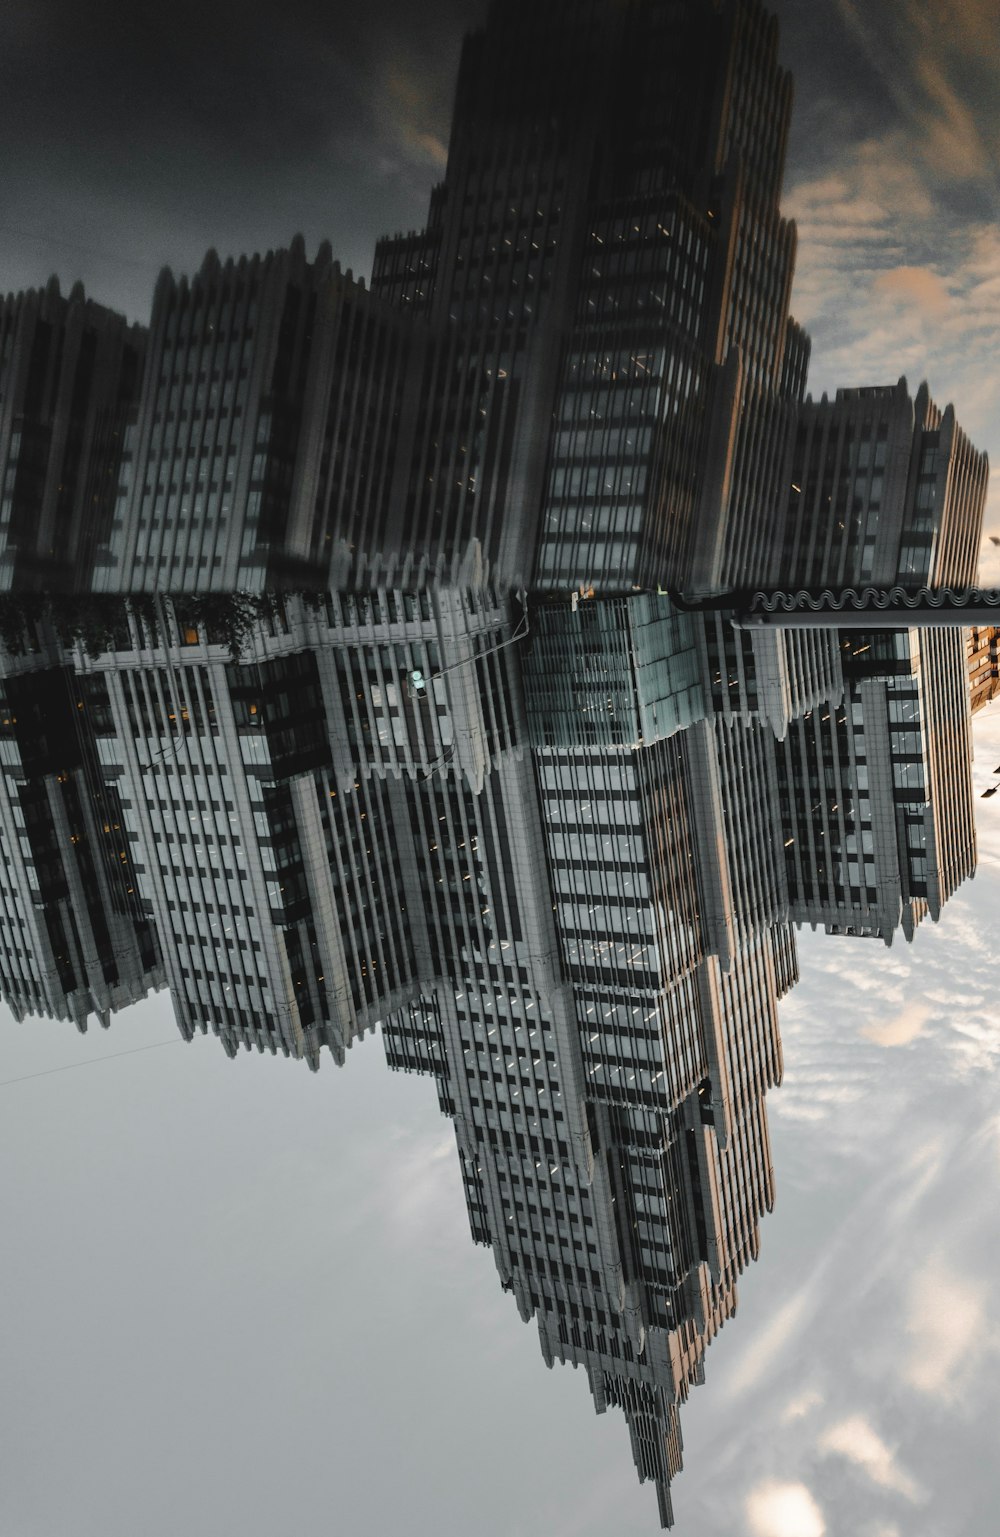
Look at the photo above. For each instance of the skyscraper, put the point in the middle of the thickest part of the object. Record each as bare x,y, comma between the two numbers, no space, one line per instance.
884,489
263,441
75,937
606,253
70,374
499,784
983,653
876,799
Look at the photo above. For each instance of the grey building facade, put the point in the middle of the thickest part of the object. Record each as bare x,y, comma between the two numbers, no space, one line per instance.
70,375
411,718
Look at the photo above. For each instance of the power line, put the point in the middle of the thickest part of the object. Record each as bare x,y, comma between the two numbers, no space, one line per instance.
89,1062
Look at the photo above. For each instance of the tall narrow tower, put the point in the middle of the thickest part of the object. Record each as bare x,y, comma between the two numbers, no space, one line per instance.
607,275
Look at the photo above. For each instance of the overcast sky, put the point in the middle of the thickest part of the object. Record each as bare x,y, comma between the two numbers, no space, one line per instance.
239,1298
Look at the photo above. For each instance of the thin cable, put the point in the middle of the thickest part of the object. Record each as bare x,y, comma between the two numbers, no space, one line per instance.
519,634
132,1051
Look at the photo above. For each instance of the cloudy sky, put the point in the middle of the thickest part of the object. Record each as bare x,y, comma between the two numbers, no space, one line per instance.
238,1298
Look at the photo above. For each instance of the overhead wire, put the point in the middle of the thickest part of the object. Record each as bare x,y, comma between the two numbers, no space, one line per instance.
90,1061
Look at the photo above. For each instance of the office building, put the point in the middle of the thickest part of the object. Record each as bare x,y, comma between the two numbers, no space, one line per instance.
264,439
606,255
876,797
983,654
75,940
70,373
477,766
884,489
249,853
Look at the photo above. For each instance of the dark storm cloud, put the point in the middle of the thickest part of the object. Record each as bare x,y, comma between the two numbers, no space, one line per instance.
133,135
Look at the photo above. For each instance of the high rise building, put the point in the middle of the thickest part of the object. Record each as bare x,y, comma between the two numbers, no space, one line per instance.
606,254
559,880
357,822
70,373
884,489
472,762
983,654
264,439
264,861
876,799
75,938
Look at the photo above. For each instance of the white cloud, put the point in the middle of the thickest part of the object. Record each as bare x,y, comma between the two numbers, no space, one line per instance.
947,1323
800,1407
901,1029
784,1510
856,1440
914,287
415,1185
772,1341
